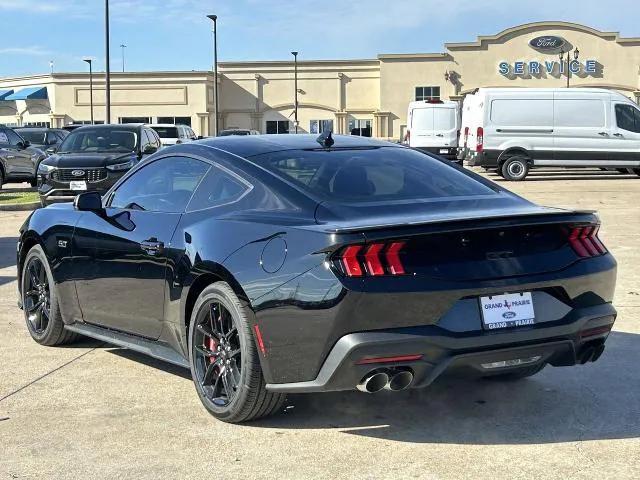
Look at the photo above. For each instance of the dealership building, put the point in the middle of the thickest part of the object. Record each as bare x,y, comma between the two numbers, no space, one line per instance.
368,96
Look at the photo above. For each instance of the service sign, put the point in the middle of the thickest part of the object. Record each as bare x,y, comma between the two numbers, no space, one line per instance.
547,43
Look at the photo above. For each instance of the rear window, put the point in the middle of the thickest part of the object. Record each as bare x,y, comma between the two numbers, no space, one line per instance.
34,136
371,175
166,132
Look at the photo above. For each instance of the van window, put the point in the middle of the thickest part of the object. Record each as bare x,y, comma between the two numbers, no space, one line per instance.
444,118
422,119
522,112
579,113
628,118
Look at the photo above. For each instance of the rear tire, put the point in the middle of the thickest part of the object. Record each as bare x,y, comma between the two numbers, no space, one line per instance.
636,171
40,301
1,178
518,374
225,367
515,168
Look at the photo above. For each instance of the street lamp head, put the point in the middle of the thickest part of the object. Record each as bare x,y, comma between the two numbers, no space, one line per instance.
88,60
213,18
576,53
561,55
295,54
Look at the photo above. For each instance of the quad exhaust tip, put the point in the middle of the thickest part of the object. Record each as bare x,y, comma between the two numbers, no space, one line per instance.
394,380
373,383
399,381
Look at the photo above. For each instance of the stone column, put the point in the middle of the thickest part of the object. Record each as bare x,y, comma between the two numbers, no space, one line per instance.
204,124
341,127
256,121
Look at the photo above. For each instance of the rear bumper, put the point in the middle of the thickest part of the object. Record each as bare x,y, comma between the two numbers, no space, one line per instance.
486,158
558,343
450,153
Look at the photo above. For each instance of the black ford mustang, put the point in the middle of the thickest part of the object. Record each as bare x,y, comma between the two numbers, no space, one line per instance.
277,264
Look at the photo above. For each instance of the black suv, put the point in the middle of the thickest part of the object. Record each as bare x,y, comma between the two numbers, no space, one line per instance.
93,158
18,159
41,137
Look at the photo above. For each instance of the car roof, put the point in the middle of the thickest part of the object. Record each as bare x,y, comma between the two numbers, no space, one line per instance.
249,145
166,125
121,126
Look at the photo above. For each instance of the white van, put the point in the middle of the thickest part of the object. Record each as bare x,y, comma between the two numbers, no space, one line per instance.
434,126
515,129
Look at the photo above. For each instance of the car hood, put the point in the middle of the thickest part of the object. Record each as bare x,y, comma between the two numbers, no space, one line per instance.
87,160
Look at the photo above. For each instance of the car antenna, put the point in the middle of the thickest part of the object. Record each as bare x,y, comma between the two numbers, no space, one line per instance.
325,139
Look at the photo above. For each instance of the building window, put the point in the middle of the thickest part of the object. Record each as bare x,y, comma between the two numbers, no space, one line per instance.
427,93
361,128
277,126
37,124
87,122
319,126
135,120
175,120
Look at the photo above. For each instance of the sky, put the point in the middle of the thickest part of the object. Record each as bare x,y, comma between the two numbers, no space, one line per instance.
176,35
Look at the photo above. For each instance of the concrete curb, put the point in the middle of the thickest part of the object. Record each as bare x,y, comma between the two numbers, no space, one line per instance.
19,207
18,190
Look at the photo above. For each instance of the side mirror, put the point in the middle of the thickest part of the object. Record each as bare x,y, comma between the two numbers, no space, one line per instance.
88,202
24,144
199,137
149,149
51,150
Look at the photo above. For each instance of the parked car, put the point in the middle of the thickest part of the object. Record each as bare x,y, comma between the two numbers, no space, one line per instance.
238,131
173,134
72,126
517,129
270,266
434,126
93,158
43,138
18,159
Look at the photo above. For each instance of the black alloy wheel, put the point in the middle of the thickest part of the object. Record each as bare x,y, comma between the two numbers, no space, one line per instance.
224,359
40,301
218,356
37,296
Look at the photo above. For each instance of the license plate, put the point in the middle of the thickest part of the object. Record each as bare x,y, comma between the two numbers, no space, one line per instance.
78,185
444,150
508,310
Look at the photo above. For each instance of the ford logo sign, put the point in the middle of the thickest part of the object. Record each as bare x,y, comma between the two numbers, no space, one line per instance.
548,43
508,315
78,173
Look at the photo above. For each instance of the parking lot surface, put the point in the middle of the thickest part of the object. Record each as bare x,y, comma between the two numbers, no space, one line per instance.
94,411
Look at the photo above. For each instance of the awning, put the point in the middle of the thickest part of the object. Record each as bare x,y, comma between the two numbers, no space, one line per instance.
30,93
5,93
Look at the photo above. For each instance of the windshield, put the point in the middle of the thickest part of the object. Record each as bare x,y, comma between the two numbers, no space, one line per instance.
166,132
35,137
100,140
371,175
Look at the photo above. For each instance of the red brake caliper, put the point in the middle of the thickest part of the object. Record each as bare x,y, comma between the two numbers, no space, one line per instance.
212,345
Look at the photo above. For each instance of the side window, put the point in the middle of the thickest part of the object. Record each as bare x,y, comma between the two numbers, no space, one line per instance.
4,139
13,137
52,139
628,118
165,185
217,188
151,138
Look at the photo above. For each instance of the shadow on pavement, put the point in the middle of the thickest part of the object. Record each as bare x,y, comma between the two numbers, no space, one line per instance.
8,251
150,362
591,402
578,174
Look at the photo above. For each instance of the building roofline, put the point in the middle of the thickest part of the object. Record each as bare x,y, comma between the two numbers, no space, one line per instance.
482,39
48,77
288,63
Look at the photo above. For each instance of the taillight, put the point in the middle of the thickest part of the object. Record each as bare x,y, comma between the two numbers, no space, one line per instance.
374,260
585,241
480,140
466,136
407,137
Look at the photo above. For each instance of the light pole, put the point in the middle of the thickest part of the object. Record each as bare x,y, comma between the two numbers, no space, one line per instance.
108,69
576,54
123,46
295,86
214,19
89,61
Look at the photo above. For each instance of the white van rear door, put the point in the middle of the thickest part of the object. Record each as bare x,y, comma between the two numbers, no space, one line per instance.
445,126
421,127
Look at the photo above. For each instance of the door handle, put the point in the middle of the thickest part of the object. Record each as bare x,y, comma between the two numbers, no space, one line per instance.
439,135
152,246
603,134
619,135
